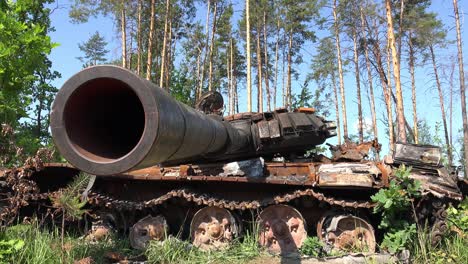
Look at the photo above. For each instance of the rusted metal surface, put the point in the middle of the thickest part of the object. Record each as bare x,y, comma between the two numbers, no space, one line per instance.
435,179
213,228
281,229
147,229
348,174
305,110
437,186
308,174
351,151
417,155
347,233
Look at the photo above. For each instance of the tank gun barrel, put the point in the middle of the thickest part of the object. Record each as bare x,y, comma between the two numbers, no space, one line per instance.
106,120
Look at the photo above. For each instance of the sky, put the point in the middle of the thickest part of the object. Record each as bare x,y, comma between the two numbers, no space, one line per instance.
69,35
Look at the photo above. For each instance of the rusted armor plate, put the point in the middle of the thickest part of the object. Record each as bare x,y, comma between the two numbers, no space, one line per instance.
348,174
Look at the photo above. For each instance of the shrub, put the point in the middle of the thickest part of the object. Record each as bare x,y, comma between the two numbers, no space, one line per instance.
313,247
394,205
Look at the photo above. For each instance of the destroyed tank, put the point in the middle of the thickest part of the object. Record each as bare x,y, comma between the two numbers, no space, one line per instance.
161,167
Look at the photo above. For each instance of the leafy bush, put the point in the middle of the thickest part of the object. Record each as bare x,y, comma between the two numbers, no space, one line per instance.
8,247
458,216
313,247
394,204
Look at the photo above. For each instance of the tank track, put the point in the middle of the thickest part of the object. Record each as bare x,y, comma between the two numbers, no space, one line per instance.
204,199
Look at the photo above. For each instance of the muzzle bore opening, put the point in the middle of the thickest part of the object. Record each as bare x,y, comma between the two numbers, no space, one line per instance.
104,119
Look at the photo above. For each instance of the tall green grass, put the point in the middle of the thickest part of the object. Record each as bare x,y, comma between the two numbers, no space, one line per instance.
43,246
452,249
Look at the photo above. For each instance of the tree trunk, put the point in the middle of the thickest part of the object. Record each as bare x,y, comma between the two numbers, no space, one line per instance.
390,87
275,85
164,45
213,30
259,76
442,107
228,73
396,74
288,84
400,28
207,25
249,66
337,110
265,48
149,62
358,86
385,87
452,70
39,115
340,71
232,88
283,73
130,48
236,96
123,22
138,67
170,55
462,85
370,79
413,89
198,90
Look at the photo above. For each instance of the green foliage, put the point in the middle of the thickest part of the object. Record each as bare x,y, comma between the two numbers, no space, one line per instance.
313,247
182,87
9,247
398,238
394,204
25,75
316,99
458,216
68,200
94,50
23,47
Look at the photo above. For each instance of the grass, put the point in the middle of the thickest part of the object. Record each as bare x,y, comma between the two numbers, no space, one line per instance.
452,249
173,250
44,246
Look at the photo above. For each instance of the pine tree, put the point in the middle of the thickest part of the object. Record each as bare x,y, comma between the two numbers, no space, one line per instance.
94,50
324,72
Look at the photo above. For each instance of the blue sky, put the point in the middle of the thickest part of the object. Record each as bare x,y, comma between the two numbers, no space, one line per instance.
68,35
